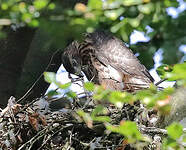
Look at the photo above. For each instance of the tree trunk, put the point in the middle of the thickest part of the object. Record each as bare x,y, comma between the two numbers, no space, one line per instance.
16,74
12,55
178,109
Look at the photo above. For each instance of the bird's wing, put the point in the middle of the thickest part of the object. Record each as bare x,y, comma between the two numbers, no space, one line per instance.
109,50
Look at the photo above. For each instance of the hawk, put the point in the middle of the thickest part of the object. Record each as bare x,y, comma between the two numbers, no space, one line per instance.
105,60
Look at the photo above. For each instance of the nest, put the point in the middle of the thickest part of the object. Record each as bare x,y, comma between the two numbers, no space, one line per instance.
37,126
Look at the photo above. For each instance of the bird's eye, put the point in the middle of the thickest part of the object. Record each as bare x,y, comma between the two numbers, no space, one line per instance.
74,62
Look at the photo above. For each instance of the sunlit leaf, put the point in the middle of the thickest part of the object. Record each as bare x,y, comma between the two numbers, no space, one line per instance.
117,26
52,93
89,86
22,7
95,4
50,77
163,69
179,72
128,129
101,118
146,8
169,143
51,6
184,138
171,3
71,94
27,17
117,96
4,6
40,4
86,117
100,93
34,23
132,2
63,86
134,22
98,110
79,21
175,130
114,14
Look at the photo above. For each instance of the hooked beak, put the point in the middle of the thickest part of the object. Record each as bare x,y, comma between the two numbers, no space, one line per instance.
78,71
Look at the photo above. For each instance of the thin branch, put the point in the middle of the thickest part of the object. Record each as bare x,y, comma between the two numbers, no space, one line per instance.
153,130
25,95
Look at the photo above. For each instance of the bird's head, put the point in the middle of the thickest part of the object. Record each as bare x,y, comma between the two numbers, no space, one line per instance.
71,59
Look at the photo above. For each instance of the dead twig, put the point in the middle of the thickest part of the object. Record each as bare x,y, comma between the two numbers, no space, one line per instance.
30,89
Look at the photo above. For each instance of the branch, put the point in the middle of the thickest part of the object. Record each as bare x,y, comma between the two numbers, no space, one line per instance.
178,109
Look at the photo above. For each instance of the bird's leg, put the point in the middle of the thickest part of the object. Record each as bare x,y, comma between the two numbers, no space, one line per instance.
87,94
78,79
70,77
74,79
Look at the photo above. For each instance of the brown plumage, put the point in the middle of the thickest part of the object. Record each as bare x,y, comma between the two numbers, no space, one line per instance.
105,60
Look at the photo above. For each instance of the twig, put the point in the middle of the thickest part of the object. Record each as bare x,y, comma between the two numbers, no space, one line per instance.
153,130
26,106
53,135
35,138
39,135
23,97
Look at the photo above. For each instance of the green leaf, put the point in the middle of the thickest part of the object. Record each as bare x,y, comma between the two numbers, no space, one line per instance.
63,86
27,17
52,93
179,72
34,23
117,96
175,130
134,22
71,94
50,77
100,93
101,118
95,4
40,4
163,69
184,138
4,6
51,6
132,2
169,143
89,86
114,14
171,3
86,117
78,21
128,129
146,8
117,26
98,112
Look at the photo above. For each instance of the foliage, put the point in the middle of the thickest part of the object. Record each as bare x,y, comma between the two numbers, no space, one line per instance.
175,131
57,19
172,73
152,98
128,129
20,13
